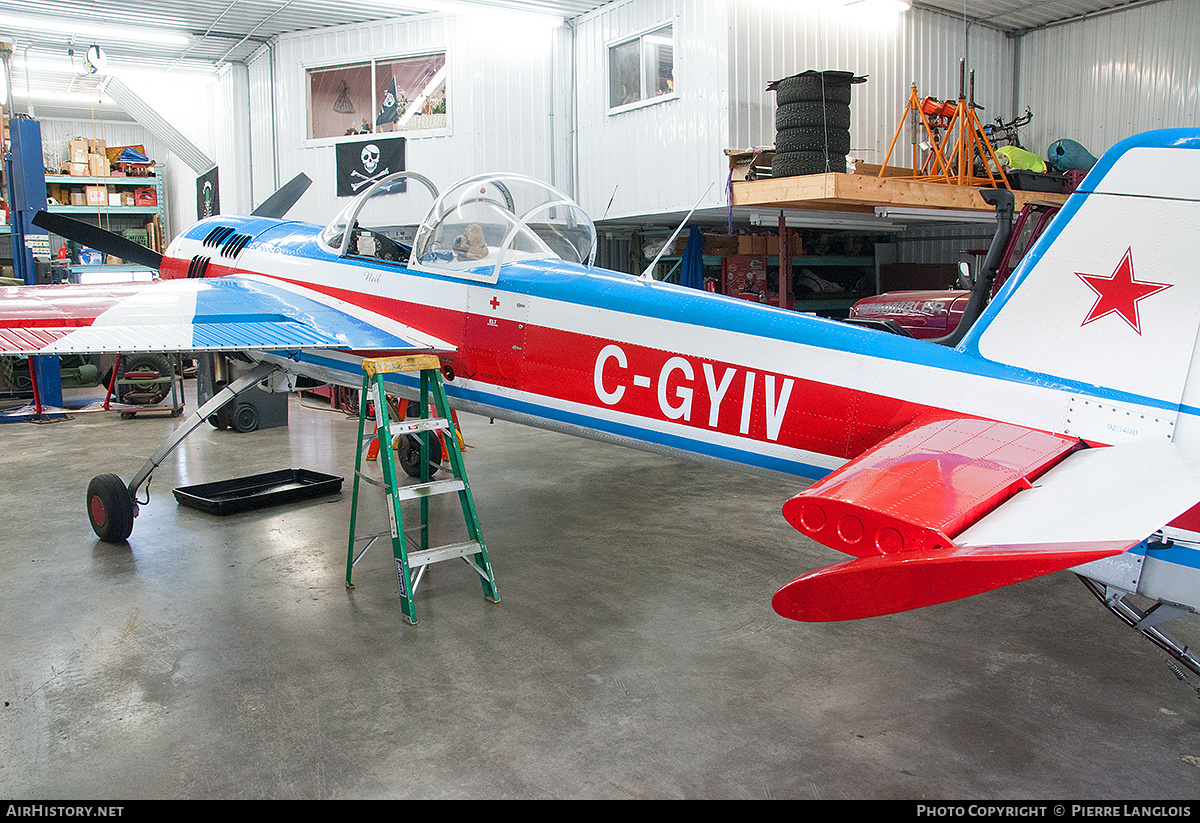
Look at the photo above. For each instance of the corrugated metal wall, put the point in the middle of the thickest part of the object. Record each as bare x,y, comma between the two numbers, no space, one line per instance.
772,40
726,52
662,156
530,96
1100,80
56,134
507,92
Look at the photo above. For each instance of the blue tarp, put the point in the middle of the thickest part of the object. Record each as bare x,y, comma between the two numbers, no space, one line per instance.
132,155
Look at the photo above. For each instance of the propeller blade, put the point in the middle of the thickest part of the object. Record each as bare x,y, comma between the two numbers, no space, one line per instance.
95,237
277,204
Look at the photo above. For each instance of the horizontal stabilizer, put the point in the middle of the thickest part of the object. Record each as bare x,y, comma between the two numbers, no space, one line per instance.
956,507
873,586
922,486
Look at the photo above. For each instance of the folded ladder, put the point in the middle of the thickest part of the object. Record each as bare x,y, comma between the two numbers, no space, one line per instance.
432,392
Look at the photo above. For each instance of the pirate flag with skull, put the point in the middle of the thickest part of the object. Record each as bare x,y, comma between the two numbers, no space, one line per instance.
359,164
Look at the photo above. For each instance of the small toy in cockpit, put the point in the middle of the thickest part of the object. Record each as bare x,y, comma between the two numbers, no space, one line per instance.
470,245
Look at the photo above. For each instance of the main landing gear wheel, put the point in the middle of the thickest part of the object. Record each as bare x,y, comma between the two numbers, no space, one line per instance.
408,450
110,508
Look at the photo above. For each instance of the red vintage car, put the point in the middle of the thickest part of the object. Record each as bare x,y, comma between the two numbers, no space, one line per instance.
937,314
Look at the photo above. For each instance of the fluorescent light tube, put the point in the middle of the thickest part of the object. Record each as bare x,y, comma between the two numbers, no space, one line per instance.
86,29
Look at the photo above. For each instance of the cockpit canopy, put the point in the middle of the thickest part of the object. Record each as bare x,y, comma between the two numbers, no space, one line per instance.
376,218
472,229
485,221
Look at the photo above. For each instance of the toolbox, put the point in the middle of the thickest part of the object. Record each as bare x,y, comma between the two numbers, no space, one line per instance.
258,491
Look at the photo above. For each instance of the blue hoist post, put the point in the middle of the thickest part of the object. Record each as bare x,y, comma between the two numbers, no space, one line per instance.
26,177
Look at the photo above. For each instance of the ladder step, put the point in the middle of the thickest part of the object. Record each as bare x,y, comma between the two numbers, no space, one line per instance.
415,426
418,490
447,552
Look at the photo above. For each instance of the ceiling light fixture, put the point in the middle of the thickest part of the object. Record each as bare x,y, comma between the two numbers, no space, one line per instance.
800,219
94,31
878,6
935,215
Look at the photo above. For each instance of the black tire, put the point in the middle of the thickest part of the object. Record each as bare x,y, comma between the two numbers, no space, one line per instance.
833,142
221,419
245,417
812,115
789,164
409,454
807,88
110,508
149,392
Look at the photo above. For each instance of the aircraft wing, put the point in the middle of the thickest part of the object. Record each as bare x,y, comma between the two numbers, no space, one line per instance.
953,507
237,312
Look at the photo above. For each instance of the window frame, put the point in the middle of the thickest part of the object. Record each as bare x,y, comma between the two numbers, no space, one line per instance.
372,64
639,37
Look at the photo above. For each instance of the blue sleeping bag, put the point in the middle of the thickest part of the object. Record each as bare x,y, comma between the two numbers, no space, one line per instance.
1065,155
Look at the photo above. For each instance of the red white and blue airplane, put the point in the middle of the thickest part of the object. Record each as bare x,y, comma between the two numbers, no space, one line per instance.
1061,431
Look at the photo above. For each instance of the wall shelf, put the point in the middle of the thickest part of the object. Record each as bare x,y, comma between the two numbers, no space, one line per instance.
72,180
111,217
113,210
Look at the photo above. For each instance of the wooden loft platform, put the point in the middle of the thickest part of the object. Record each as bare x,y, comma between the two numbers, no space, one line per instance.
864,192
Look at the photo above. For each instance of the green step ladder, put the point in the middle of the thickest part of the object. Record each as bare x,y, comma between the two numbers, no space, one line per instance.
432,391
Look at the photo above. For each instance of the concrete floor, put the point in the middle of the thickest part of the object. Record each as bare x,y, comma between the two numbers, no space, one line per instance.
634,653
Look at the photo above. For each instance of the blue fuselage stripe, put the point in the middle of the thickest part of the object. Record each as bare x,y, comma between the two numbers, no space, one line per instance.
588,423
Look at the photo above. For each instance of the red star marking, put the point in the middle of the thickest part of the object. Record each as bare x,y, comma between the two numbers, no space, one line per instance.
1119,293
495,303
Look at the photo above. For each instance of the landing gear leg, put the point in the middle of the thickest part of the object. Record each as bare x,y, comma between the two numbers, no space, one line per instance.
1147,623
112,504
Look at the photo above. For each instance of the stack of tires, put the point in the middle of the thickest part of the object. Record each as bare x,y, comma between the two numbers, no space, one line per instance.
812,122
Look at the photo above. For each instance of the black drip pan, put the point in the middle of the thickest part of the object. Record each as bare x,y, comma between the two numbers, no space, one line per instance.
258,491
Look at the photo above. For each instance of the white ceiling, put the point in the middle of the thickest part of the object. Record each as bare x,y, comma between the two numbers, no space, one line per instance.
1021,15
229,31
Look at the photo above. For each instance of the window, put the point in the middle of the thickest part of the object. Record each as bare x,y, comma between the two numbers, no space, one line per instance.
641,69
396,94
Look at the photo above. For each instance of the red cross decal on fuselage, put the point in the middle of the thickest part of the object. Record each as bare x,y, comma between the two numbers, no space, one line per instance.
495,302
1119,293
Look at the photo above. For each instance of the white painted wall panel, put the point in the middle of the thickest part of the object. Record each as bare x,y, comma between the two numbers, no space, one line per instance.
261,126
505,91
1102,79
663,156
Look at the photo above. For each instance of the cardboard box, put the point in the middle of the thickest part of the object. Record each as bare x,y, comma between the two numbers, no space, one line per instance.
126,198
720,244
78,169
114,198
97,165
95,195
77,197
77,151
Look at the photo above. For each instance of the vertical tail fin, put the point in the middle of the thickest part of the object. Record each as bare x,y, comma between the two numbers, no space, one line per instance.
1110,295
